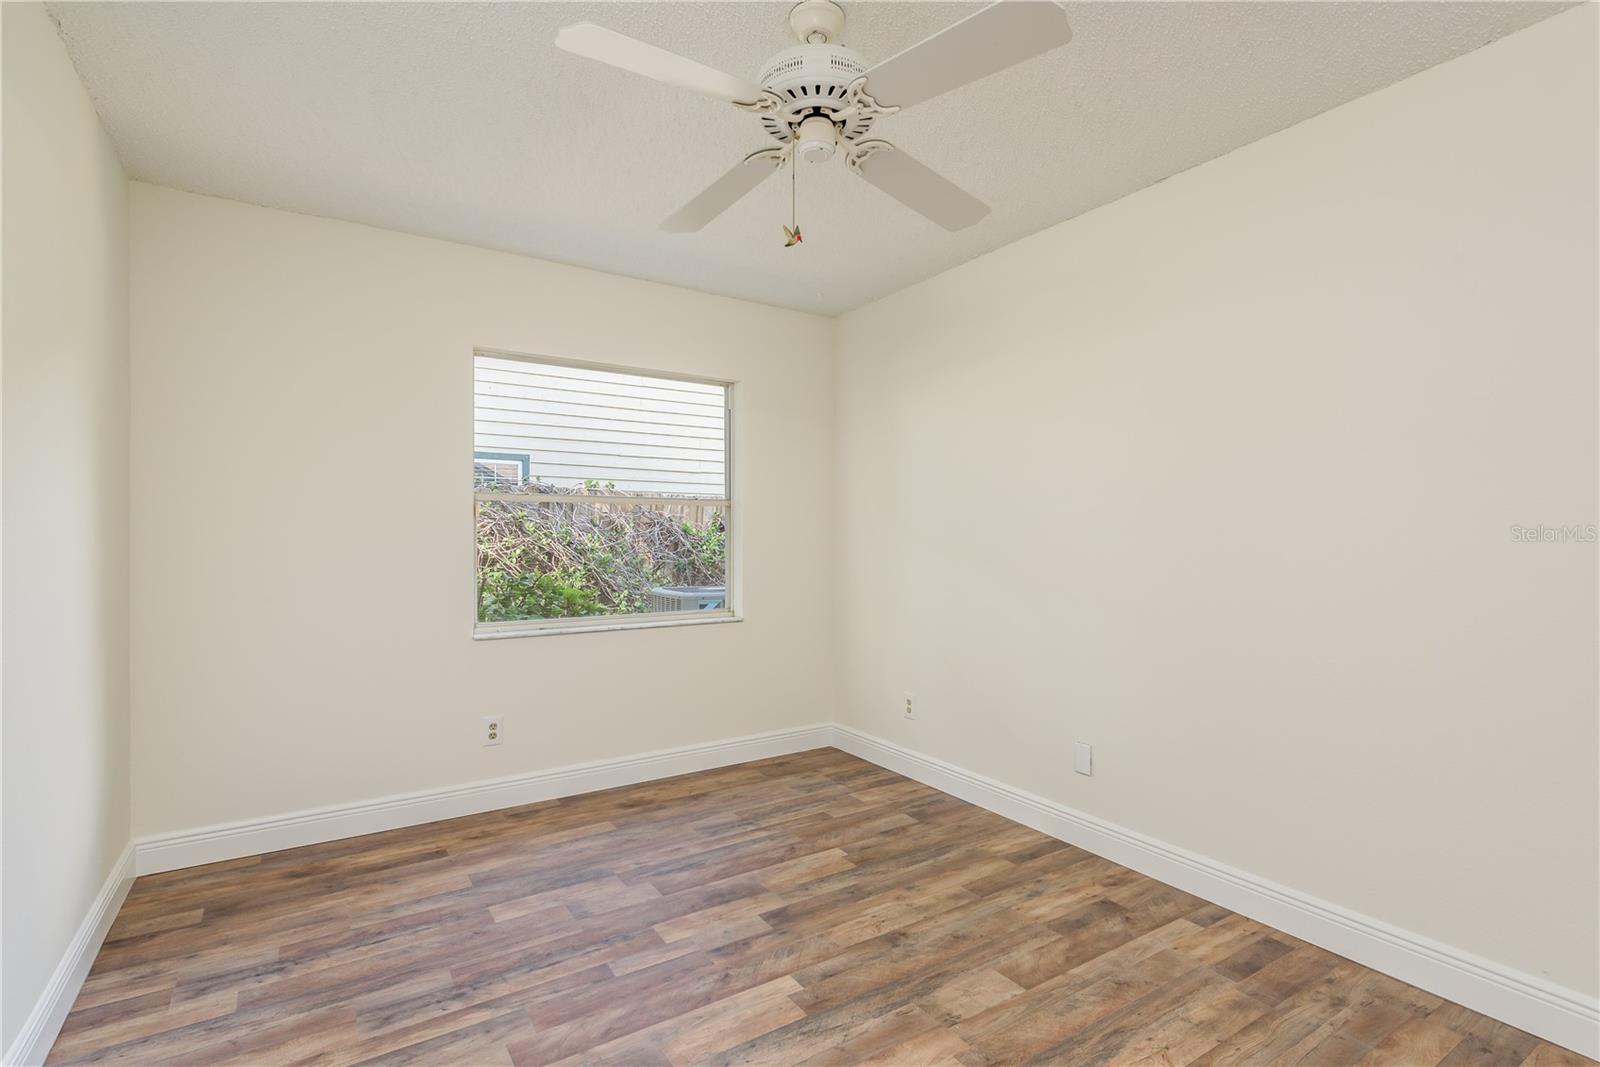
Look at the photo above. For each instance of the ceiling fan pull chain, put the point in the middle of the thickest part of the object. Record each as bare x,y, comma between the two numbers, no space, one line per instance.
793,232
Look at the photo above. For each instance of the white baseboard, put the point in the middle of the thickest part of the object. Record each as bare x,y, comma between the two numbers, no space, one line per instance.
32,1043
211,844
1561,1016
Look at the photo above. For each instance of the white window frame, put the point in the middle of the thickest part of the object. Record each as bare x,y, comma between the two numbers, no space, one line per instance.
493,631
478,461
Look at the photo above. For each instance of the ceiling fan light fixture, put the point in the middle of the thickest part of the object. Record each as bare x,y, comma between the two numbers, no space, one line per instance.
818,138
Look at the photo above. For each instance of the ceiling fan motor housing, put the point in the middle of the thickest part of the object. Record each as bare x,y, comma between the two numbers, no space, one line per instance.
810,80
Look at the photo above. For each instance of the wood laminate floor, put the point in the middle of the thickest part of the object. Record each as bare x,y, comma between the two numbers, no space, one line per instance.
811,909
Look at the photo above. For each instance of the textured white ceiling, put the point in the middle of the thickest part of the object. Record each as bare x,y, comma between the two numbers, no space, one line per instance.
463,121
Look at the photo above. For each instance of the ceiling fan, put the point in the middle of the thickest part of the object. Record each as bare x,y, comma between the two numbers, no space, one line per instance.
819,98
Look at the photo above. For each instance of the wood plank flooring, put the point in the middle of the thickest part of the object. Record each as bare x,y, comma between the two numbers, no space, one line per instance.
811,909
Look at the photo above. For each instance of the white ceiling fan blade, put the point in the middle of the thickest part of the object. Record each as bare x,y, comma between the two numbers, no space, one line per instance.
722,194
619,50
922,190
1001,35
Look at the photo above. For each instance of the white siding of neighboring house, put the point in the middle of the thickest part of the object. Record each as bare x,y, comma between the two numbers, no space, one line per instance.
656,436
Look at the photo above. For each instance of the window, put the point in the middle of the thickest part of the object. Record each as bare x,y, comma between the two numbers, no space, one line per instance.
499,470
601,497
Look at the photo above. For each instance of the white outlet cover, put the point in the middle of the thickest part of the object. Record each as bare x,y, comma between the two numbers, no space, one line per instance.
1083,757
494,729
910,706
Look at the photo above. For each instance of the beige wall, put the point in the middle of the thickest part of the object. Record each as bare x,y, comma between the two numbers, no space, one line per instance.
64,380
304,641
1220,478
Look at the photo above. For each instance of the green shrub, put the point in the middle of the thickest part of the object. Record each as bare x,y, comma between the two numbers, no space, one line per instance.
506,595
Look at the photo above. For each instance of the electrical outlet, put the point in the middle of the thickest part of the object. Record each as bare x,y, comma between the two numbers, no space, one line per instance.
494,728
1083,757
911,706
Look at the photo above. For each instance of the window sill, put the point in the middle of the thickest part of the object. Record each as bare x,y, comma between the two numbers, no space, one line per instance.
706,619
